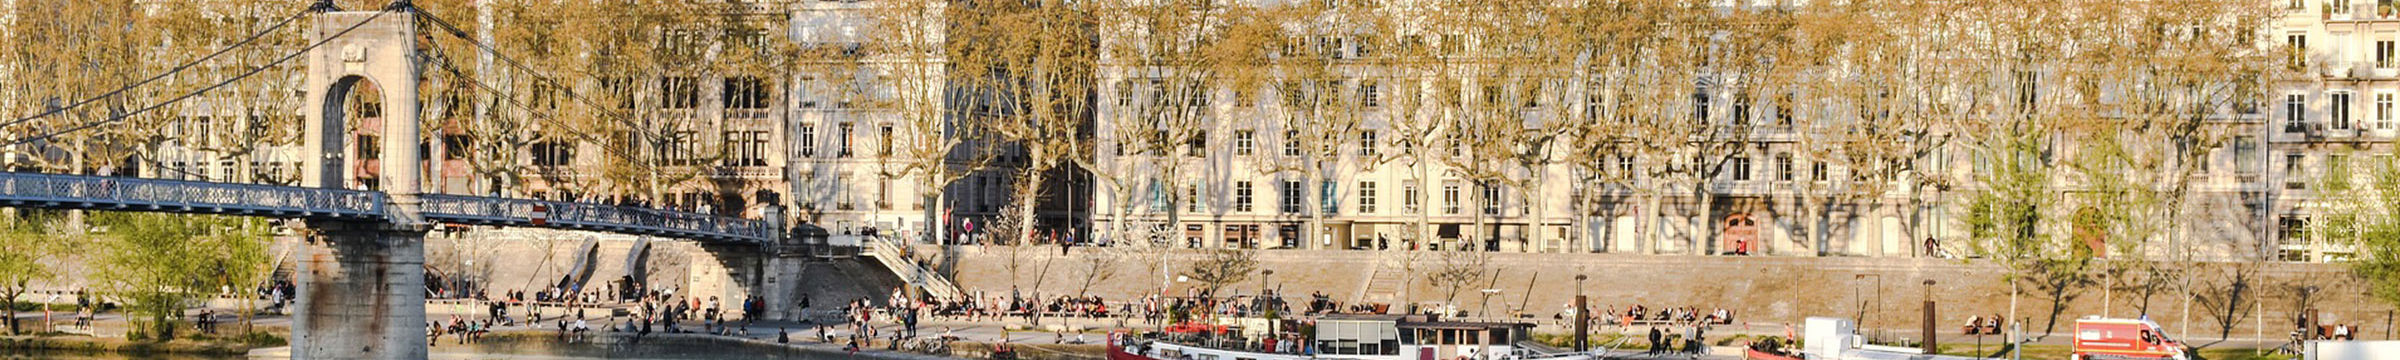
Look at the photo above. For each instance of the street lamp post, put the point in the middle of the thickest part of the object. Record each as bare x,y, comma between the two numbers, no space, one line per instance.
1929,311
1262,281
1266,304
1583,314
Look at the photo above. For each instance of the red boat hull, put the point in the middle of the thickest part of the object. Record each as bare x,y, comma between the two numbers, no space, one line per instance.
1753,354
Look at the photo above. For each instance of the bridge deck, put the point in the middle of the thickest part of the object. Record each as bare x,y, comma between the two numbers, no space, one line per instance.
55,191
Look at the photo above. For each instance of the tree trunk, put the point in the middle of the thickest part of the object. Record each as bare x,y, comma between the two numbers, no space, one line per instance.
1534,228
1316,219
1649,225
1703,201
1026,205
12,295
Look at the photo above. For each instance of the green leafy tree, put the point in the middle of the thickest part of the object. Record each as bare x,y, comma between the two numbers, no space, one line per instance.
2360,212
28,244
160,263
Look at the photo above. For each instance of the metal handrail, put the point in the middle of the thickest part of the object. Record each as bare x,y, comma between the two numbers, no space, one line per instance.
484,209
889,254
108,191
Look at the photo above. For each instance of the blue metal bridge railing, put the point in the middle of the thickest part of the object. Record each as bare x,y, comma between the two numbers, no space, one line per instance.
138,194
55,191
583,216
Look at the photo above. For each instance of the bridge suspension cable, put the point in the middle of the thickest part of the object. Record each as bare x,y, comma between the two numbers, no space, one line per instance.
569,91
196,93
545,117
179,68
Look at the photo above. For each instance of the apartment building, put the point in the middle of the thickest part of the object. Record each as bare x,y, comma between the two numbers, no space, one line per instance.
2333,114
1239,169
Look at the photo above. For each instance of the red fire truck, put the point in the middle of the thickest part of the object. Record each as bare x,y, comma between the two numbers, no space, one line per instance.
2099,338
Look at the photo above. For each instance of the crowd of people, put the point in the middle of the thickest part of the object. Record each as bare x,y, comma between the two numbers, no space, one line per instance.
464,330
1637,314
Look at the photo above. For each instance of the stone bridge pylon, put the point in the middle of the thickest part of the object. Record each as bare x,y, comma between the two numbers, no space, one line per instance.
362,283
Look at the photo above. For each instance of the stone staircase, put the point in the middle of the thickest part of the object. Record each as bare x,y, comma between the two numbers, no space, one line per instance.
888,254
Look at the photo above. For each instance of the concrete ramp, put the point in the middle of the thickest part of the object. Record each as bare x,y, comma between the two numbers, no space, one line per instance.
634,258
586,259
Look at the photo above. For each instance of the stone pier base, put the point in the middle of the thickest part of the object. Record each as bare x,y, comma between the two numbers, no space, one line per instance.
362,293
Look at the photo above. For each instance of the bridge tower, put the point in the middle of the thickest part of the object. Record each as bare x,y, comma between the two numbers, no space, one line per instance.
362,284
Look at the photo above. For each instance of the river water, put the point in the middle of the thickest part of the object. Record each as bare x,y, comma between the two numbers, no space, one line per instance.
656,351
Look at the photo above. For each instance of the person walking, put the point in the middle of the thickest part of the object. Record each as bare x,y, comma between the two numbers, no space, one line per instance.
1655,338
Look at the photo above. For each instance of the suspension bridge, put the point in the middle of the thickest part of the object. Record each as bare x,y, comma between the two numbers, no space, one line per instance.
361,281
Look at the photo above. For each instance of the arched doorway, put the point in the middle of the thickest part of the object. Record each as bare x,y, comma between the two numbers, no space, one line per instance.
2091,233
1741,233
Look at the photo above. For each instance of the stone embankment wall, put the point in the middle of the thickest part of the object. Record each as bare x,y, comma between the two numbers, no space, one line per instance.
1886,292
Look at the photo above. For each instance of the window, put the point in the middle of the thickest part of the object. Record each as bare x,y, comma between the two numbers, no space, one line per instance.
2383,111
1158,196
1329,200
1783,167
1291,143
1292,195
1191,196
1244,141
1241,196
2338,110
883,140
619,89
683,148
1409,202
1125,94
747,93
553,153
2295,112
1700,107
680,92
746,148
801,90
1366,197
1817,171
1366,144
1368,94
1783,110
1197,96
843,140
1450,198
807,140
2292,165
2336,165
456,147
1741,109
1532,95
1491,199
1197,145
1741,168
2383,53
2297,45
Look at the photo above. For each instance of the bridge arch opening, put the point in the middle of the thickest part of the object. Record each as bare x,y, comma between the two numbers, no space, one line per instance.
354,110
